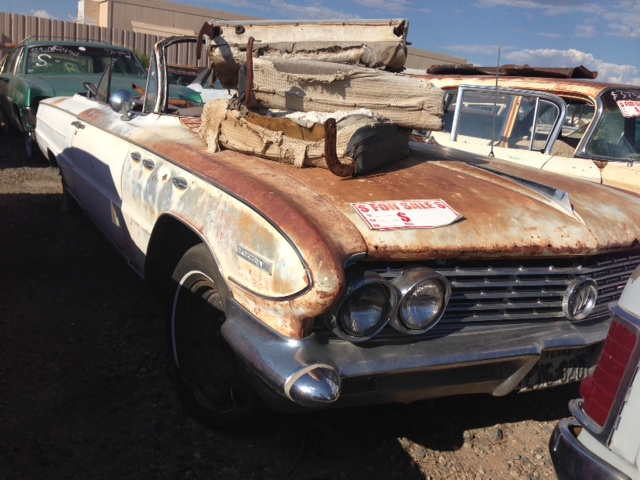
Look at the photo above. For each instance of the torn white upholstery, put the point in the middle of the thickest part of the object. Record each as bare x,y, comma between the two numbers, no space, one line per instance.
293,84
276,137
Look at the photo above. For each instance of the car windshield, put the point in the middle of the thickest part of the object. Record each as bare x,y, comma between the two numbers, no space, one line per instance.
77,59
617,133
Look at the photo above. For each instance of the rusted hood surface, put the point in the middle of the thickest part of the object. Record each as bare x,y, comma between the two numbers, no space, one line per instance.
500,217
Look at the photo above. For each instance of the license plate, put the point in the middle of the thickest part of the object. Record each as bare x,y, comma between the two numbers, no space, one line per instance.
557,367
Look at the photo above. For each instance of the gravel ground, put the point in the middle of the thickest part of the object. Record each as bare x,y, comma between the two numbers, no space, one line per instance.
84,389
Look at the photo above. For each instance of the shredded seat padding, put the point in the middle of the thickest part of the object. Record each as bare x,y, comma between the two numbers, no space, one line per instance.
275,137
379,44
305,85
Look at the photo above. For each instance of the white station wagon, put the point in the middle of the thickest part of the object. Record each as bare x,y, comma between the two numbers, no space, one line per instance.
602,440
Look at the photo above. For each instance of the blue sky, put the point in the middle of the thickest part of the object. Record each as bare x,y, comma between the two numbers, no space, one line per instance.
602,35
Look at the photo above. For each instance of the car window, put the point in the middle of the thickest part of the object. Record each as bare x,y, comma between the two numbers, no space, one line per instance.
579,116
151,92
510,118
616,136
534,123
78,59
476,116
11,61
103,91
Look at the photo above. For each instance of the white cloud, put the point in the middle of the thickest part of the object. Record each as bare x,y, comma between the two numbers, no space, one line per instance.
607,72
476,49
624,18
621,16
549,35
585,31
41,14
314,10
549,7
384,4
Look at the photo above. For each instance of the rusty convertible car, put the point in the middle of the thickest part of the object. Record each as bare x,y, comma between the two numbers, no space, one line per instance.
438,273
557,119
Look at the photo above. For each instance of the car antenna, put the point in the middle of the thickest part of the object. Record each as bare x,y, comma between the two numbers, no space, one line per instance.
495,103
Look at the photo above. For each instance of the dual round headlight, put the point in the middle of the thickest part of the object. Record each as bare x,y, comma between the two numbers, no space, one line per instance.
412,303
366,307
424,295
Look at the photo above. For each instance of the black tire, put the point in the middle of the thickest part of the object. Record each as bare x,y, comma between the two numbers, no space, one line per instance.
204,367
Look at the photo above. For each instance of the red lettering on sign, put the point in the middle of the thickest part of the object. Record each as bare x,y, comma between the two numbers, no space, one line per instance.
403,217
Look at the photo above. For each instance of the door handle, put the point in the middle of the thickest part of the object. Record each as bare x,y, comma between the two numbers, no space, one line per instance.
77,124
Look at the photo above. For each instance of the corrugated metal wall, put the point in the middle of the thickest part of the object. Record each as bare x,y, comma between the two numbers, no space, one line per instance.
16,28
122,13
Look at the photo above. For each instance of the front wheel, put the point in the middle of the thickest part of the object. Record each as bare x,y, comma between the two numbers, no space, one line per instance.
207,376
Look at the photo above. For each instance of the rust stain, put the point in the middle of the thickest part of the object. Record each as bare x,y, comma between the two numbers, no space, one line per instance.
576,88
601,164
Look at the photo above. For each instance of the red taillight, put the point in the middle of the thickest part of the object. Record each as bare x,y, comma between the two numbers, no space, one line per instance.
599,390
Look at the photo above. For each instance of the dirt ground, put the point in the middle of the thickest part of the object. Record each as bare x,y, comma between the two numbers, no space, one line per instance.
85,393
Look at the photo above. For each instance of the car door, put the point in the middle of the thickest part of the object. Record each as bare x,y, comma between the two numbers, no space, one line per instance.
98,158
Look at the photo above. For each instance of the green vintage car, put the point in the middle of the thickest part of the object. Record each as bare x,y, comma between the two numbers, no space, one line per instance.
36,70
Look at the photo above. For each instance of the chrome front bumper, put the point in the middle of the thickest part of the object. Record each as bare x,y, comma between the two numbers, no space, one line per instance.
318,371
573,461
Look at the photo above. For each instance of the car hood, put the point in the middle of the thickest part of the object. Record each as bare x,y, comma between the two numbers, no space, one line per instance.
505,210
68,85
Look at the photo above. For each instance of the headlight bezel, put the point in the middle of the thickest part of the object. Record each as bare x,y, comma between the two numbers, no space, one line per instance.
407,283
397,291
356,281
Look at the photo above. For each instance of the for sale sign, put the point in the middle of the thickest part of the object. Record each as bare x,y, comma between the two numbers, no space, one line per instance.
629,108
392,215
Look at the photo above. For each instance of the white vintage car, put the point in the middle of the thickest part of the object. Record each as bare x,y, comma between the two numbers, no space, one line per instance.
556,119
315,272
601,441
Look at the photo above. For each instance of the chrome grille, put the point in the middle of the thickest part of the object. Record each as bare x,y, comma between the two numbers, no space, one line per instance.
524,290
